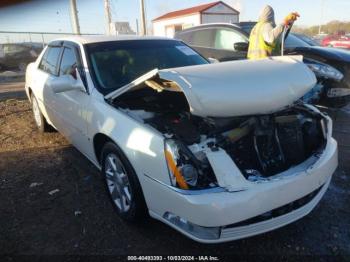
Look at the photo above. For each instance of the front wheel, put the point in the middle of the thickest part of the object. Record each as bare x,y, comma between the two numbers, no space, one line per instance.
122,184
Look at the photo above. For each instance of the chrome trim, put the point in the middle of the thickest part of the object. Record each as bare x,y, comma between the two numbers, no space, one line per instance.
192,192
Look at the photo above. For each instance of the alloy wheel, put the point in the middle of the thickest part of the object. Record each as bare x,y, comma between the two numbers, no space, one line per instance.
118,182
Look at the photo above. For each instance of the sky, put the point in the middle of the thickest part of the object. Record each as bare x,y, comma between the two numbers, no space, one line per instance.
54,15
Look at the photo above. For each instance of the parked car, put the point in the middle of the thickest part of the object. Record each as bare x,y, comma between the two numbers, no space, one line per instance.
17,56
226,42
204,148
337,41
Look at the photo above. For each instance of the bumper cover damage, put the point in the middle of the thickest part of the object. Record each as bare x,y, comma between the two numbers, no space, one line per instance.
223,211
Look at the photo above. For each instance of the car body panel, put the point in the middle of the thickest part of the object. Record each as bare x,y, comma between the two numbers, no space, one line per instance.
277,83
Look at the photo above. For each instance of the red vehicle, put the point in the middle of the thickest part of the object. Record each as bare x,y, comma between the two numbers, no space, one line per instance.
339,41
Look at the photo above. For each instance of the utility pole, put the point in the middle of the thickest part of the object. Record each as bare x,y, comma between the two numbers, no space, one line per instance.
74,17
143,18
137,27
321,18
108,16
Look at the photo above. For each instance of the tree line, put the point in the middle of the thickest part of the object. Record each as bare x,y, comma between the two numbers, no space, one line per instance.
333,27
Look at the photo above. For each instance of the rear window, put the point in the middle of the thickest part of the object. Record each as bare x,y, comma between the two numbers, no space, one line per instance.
49,61
115,64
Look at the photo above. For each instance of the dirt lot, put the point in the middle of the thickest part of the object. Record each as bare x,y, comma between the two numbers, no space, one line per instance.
79,219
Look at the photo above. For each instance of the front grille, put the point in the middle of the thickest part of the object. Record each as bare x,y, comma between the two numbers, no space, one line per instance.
280,211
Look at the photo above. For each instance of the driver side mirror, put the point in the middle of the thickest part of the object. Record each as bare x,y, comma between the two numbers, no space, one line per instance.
241,46
68,82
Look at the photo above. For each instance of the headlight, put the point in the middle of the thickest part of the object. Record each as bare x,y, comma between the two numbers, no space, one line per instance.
182,173
327,71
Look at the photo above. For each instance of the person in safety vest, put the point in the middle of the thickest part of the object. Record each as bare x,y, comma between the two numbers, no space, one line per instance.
265,38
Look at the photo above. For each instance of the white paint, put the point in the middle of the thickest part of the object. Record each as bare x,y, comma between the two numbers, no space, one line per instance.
226,171
241,88
166,27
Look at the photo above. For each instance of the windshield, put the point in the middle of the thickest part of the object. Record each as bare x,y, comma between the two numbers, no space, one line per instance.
307,39
115,64
292,41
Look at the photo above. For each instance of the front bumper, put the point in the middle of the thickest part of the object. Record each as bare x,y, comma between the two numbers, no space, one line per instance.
223,209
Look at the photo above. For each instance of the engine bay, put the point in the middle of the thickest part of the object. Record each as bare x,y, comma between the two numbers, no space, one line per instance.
261,146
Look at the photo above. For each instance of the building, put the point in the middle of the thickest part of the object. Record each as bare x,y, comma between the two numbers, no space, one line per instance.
216,12
121,28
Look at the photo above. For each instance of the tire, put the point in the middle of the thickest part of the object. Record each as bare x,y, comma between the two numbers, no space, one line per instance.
39,118
122,184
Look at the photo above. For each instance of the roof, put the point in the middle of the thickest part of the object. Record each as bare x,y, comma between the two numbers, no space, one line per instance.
192,10
103,38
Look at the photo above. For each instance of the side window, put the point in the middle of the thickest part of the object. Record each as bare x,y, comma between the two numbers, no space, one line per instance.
202,38
225,39
69,62
50,60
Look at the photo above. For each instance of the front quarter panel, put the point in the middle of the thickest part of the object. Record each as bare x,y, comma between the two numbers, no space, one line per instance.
143,146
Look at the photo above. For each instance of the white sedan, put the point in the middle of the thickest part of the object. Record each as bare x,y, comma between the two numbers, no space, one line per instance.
217,151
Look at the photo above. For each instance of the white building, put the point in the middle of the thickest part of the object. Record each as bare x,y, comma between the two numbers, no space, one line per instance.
217,12
121,28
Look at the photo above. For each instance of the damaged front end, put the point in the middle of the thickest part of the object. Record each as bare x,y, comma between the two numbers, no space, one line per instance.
203,153
210,144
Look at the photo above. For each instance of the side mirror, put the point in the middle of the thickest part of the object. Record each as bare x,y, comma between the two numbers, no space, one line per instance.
213,60
241,46
69,82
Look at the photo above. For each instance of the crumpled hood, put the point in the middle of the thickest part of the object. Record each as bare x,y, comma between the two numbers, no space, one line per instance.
237,88
267,15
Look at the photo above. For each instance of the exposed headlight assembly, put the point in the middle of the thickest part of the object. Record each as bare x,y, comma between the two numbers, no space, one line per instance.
326,71
183,173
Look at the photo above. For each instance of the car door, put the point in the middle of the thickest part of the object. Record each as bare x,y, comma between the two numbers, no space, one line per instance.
71,106
46,72
225,44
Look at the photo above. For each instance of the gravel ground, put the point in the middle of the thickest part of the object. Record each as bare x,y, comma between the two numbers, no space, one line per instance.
78,218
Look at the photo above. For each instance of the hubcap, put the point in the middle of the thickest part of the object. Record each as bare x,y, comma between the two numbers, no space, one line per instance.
36,113
118,182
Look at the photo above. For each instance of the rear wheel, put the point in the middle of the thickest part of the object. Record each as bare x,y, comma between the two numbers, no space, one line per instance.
122,184
39,118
